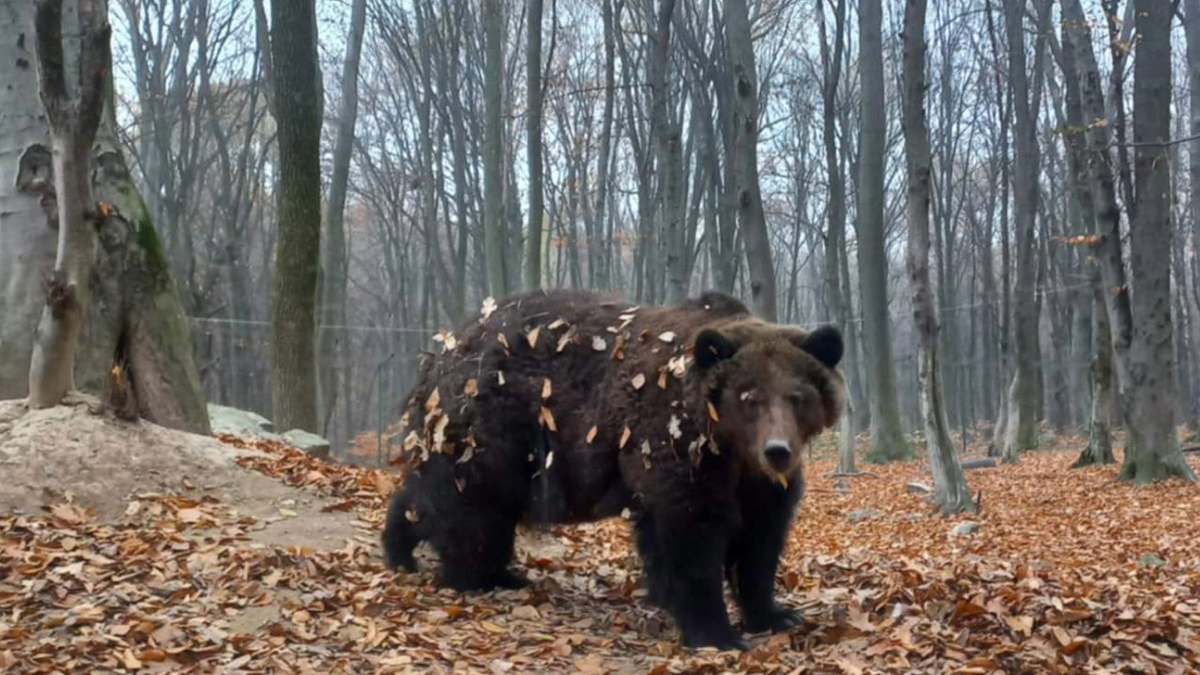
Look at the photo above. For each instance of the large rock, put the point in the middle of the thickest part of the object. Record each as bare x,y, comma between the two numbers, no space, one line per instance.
227,420
308,442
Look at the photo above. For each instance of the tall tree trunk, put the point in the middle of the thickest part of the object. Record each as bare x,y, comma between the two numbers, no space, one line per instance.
1099,447
1152,447
1191,25
953,494
493,149
887,436
1020,433
745,159
74,103
297,110
533,146
599,249
331,343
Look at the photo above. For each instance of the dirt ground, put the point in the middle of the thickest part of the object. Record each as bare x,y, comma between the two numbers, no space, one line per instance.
129,548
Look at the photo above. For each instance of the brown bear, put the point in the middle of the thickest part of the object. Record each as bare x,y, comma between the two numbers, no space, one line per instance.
567,407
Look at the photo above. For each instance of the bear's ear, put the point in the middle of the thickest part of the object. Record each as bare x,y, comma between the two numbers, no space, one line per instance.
825,344
712,347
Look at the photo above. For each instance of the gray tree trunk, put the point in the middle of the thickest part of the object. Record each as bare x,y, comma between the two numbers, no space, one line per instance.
533,146
952,494
1152,448
297,109
745,159
135,320
493,149
1099,447
331,343
887,436
1020,426
72,90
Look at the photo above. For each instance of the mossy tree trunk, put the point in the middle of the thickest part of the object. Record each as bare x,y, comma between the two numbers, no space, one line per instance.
297,111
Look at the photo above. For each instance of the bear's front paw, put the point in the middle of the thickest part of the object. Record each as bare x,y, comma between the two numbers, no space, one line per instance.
774,619
509,580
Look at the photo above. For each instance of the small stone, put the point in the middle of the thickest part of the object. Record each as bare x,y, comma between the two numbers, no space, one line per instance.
963,529
1151,560
858,515
912,517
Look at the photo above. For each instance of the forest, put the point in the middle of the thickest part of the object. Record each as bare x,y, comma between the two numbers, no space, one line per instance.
235,229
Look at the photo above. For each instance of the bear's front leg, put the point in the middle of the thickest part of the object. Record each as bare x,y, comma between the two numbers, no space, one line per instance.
692,547
754,556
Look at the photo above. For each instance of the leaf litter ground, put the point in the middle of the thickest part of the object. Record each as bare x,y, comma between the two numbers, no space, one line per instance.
1068,572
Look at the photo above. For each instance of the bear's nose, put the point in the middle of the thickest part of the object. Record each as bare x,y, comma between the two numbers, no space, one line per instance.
777,452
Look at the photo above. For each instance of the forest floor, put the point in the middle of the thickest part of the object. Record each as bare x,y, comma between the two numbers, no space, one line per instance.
274,567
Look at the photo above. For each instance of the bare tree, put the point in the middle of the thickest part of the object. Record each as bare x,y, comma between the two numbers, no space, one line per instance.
1020,431
533,147
330,349
1152,448
298,106
953,494
493,148
887,436
745,160
74,104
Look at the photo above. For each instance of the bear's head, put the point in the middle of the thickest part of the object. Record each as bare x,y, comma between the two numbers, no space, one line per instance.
773,388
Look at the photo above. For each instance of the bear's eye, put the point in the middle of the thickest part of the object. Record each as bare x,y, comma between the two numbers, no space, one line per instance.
797,397
749,398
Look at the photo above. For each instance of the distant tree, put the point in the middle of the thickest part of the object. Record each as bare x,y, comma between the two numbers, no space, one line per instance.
493,148
533,147
297,107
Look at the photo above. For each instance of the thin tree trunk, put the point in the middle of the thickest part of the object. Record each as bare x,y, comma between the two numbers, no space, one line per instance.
745,160
74,109
533,146
298,105
495,240
331,343
953,494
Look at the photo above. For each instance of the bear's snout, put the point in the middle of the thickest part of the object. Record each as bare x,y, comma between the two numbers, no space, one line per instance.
778,454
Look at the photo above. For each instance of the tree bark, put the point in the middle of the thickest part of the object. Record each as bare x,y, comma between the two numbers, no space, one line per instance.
297,255
493,149
1020,433
533,146
745,159
331,342
887,436
952,494
1142,463
1152,448
74,108
135,319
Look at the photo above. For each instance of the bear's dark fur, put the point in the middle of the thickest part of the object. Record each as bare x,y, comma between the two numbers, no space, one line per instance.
567,407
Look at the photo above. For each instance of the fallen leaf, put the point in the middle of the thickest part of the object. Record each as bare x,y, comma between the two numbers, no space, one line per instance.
668,336
489,306
599,344
712,412
471,388
639,381
532,337
547,389
592,434
547,418
624,437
